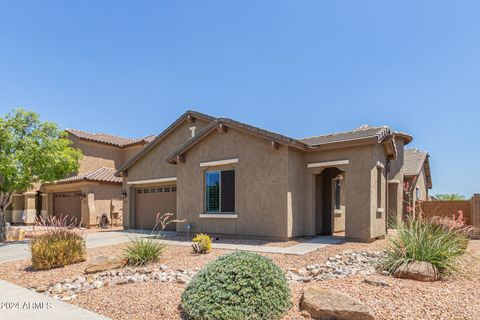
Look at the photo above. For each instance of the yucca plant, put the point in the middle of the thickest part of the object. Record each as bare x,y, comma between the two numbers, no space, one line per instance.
142,250
430,240
57,245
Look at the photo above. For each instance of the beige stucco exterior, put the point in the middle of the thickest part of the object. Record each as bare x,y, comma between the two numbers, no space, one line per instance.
98,197
152,165
275,191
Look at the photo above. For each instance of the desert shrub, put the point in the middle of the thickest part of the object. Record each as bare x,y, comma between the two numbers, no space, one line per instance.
237,286
140,250
202,243
57,246
436,241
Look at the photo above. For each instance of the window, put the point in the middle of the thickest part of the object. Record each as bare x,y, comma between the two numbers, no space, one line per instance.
174,189
417,193
139,191
159,190
379,188
337,194
220,191
167,189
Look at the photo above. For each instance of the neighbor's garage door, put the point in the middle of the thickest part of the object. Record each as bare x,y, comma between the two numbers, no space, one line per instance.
68,204
151,201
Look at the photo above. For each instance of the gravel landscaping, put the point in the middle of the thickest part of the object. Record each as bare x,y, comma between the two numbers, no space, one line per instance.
154,292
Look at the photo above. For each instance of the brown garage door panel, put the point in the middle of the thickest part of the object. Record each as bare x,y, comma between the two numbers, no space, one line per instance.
152,201
68,204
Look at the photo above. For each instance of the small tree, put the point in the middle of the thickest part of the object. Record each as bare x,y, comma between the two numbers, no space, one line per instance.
31,152
450,197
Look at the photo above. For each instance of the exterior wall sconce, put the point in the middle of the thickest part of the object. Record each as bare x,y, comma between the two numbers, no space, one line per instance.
124,194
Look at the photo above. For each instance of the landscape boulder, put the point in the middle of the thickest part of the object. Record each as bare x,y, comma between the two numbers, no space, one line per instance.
417,270
103,263
333,305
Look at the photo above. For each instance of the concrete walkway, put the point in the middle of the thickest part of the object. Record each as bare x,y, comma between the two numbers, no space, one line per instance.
297,249
19,303
20,250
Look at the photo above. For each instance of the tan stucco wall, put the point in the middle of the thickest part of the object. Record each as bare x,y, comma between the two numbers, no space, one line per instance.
97,155
99,198
261,185
361,219
422,185
152,165
296,189
396,175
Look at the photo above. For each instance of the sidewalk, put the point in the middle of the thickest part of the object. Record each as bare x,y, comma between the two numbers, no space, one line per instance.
17,303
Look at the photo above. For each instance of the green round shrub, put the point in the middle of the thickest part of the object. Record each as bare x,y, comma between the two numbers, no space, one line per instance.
237,286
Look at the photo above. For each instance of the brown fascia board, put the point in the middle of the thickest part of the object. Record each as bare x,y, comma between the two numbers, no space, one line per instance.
161,136
428,173
344,144
406,137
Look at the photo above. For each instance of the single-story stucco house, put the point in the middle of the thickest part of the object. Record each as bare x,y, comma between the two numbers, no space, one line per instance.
418,179
85,196
230,178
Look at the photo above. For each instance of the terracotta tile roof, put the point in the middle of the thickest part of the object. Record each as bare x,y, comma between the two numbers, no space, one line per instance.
361,133
108,138
414,160
100,175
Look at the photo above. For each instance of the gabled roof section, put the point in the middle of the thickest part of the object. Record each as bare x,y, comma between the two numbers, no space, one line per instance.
102,174
189,115
109,139
225,122
363,132
414,161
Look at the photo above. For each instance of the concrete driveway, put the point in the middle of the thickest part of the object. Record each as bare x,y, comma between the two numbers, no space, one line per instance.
20,250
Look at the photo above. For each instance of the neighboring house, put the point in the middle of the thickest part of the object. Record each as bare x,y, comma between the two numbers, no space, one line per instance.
93,191
418,179
226,177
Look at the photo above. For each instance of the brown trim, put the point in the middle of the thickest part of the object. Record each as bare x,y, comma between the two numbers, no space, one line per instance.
345,144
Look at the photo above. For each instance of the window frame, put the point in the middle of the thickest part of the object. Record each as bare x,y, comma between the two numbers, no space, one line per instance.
220,209
219,172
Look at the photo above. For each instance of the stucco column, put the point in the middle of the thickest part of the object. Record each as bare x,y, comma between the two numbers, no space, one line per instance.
44,208
30,211
88,209
476,213
17,207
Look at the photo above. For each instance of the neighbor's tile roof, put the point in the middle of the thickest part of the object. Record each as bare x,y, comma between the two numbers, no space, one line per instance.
414,161
101,175
108,138
360,133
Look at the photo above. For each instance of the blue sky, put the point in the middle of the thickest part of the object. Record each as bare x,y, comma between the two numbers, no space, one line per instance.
300,68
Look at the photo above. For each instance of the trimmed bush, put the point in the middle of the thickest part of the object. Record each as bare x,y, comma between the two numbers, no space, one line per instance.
57,247
436,241
202,243
237,286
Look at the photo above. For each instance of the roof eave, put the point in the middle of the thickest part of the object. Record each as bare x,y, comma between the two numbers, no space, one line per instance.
188,114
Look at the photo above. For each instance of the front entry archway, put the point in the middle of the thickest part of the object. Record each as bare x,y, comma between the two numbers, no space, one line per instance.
330,201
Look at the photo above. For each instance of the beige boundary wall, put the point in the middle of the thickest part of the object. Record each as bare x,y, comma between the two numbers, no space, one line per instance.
470,209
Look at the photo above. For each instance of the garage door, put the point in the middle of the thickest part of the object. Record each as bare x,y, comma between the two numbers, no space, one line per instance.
68,204
152,201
